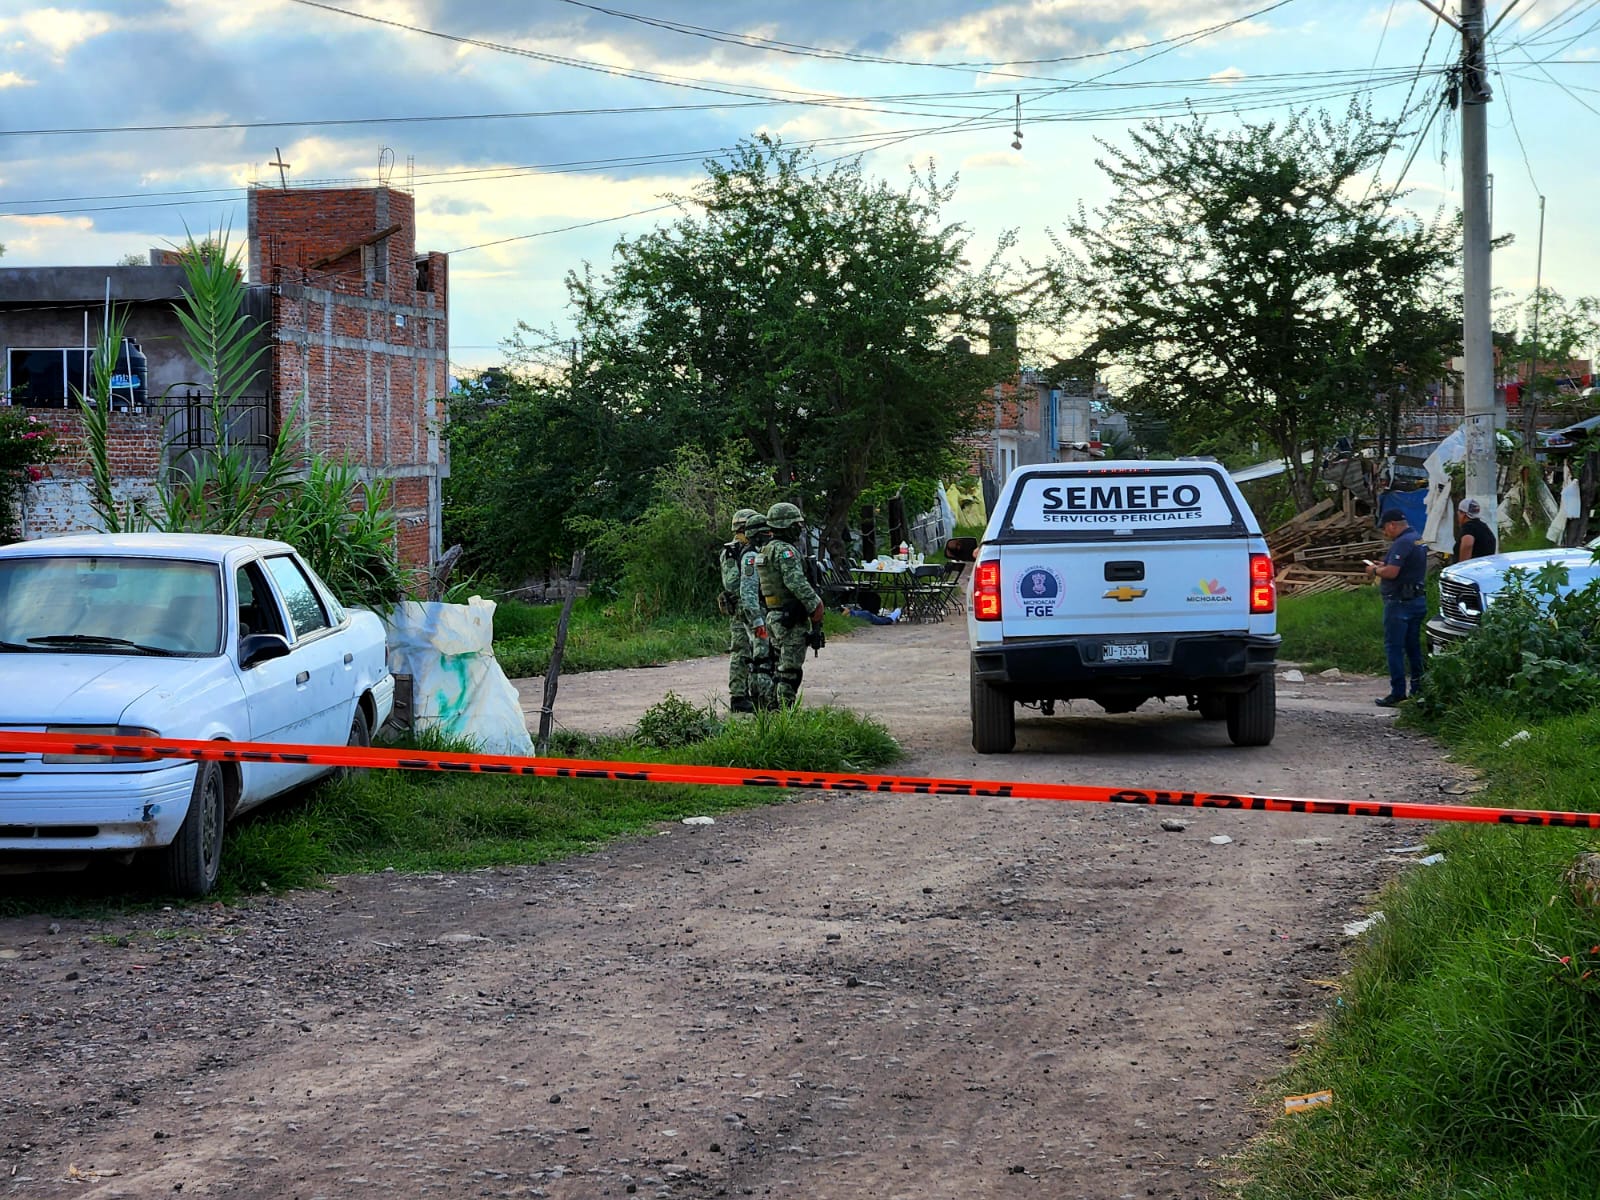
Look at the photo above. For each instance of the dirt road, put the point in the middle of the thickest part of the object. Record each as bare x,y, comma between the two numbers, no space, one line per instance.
841,996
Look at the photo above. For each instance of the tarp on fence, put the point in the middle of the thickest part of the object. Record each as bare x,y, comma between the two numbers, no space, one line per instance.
457,686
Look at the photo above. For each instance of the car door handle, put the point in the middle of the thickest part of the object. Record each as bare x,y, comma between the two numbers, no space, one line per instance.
349,658
303,677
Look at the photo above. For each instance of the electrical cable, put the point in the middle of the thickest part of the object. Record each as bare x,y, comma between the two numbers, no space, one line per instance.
1337,86
854,103
1405,106
1511,116
752,41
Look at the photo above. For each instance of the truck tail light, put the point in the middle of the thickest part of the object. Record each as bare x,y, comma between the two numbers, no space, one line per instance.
1263,588
986,591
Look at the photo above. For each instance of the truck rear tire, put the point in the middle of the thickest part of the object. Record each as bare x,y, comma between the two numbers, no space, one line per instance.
1211,706
1253,715
994,719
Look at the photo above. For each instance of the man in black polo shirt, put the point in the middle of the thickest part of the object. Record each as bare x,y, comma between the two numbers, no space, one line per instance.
1405,603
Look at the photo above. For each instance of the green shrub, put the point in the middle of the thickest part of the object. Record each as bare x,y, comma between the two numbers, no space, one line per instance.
1533,653
346,531
664,563
672,721
25,446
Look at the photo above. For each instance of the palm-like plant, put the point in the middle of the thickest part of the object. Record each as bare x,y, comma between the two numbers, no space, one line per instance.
341,524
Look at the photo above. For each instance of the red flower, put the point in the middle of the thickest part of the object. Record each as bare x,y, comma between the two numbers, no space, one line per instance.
35,474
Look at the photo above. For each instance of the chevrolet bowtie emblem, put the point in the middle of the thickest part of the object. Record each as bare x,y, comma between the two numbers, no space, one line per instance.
1124,593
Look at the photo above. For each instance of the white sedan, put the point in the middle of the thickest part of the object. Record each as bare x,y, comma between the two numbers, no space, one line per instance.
177,636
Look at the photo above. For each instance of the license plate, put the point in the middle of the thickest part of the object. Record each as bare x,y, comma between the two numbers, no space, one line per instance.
1125,652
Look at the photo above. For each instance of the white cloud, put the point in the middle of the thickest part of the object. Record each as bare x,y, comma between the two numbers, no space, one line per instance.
1228,75
10,79
56,30
1005,160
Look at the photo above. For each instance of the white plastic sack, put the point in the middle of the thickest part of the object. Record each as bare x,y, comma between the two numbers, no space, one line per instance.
1571,499
1570,507
457,687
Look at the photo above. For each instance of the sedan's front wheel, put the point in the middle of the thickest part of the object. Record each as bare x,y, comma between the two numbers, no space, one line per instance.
360,735
191,863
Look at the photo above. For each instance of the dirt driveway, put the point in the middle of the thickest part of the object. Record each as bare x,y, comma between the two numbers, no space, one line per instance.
842,996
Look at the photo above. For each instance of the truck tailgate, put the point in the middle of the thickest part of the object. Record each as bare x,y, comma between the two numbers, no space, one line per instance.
1065,590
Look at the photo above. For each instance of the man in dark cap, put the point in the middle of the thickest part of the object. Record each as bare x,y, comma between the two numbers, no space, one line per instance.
1474,539
1401,576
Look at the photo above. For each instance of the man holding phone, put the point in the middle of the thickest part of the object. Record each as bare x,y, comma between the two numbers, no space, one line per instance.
1401,577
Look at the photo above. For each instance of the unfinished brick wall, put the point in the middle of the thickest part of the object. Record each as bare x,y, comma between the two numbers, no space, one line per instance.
361,338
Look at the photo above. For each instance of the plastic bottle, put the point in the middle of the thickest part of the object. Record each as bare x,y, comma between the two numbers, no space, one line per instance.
905,553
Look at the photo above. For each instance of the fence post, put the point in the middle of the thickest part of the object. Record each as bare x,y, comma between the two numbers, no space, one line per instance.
553,675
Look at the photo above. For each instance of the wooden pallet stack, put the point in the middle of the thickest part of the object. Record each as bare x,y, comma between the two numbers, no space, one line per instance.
1322,548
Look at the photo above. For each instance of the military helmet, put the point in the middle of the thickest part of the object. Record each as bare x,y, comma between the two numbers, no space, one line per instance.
741,519
756,524
784,516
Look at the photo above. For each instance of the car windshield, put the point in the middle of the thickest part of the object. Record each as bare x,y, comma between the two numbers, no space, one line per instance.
103,604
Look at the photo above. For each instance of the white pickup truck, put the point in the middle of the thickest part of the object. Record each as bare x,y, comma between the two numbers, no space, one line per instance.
1119,582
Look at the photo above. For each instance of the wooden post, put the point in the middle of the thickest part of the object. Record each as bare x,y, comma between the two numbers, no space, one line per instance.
1588,485
553,674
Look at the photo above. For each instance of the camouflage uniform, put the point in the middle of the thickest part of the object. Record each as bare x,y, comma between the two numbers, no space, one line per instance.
793,606
738,629
762,651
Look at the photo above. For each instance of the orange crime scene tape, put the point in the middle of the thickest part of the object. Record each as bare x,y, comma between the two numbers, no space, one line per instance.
577,768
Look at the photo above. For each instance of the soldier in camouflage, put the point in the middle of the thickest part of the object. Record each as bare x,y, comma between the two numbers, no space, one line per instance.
762,652
793,608
739,635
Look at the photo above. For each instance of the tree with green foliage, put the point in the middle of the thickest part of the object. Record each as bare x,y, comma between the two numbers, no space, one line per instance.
529,455
1245,281
809,314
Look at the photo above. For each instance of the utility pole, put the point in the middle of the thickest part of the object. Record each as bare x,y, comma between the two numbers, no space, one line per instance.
1477,345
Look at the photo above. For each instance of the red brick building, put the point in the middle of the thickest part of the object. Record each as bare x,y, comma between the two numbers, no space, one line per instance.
358,328
360,333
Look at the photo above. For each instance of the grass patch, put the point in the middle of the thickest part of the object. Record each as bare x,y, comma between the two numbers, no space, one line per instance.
1464,1054
603,636
442,821
1333,629
600,637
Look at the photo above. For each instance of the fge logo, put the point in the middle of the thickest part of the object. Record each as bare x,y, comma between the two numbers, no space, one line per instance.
1038,589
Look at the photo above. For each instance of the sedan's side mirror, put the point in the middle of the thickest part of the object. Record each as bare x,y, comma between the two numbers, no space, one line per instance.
257,648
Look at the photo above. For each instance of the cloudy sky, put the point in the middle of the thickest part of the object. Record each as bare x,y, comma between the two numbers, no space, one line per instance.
534,133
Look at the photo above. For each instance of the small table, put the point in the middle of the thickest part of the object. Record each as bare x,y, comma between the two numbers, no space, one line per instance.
913,588
887,577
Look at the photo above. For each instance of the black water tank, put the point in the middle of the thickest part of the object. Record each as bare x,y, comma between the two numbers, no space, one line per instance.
130,385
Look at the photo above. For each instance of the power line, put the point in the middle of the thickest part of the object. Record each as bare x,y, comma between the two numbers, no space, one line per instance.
1322,86
1516,132
1422,137
1405,111
861,103
1552,79
773,45
695,84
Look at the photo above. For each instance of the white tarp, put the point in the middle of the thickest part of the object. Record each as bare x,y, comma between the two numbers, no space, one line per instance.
1440,529
457,687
